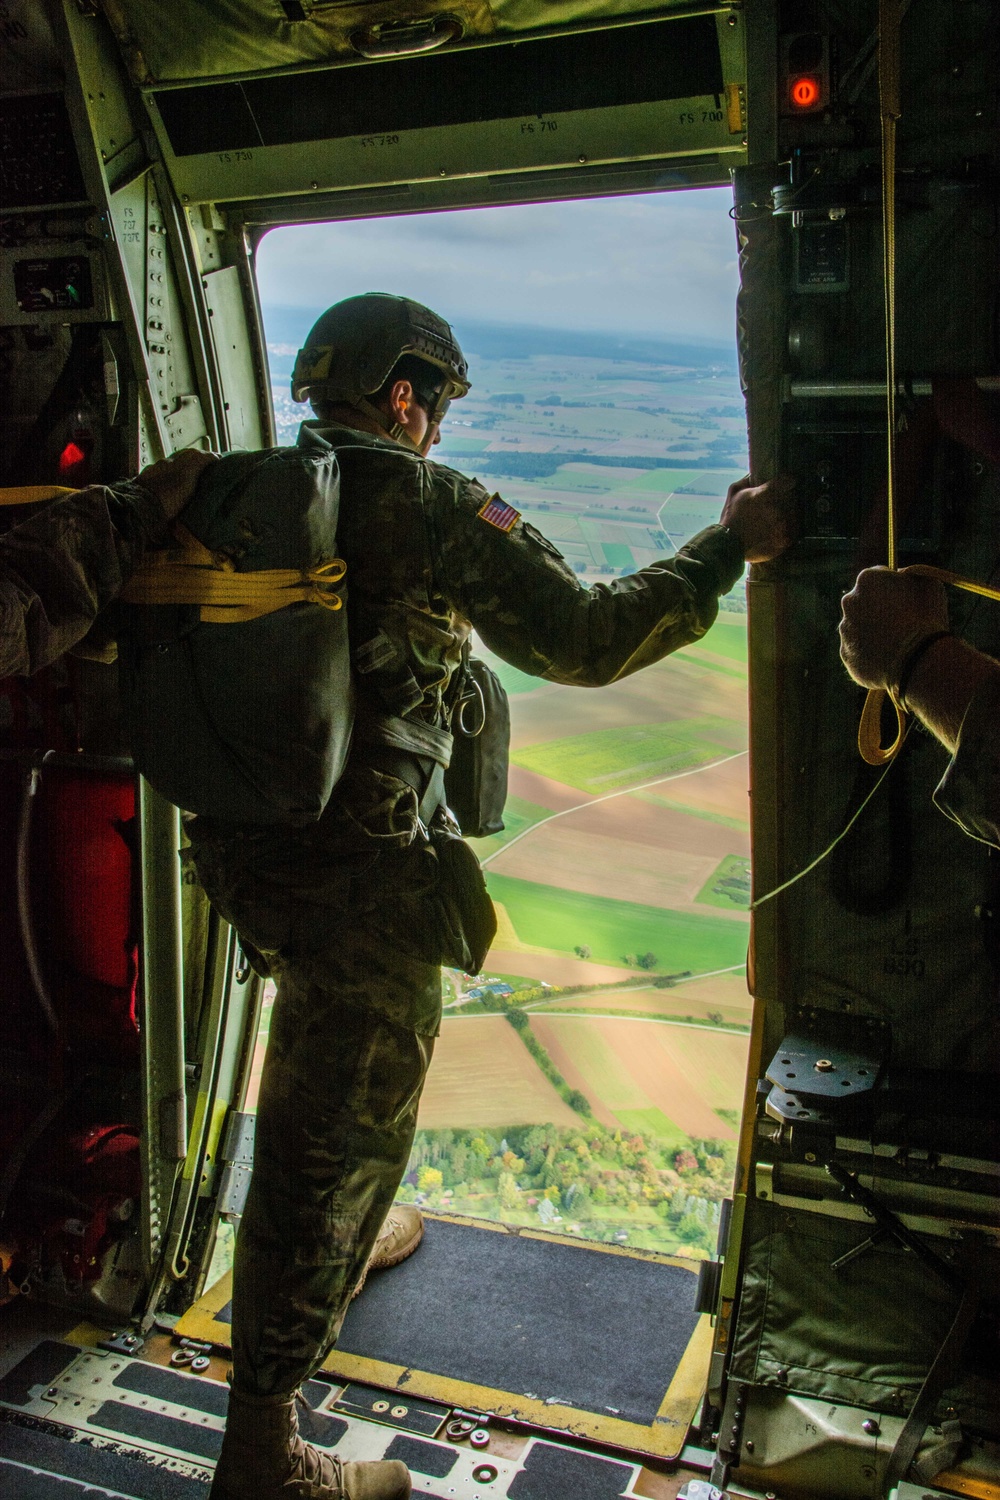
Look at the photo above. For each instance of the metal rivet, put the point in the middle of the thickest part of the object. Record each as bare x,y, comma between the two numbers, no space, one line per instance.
823,1065
749,1445
871,1427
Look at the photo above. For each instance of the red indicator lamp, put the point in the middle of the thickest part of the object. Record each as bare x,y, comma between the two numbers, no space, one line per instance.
804,92
71,457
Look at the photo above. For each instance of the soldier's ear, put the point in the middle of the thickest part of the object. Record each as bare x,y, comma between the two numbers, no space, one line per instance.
400,398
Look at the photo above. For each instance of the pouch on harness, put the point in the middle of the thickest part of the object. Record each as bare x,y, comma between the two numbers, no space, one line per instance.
248,720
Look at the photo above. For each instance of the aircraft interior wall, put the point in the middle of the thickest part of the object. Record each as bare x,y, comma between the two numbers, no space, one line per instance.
882,959
858,1285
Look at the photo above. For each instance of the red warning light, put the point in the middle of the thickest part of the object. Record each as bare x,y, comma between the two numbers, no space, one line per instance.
71,457
804,92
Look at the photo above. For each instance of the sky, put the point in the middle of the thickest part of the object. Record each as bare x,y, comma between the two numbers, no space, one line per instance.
658,264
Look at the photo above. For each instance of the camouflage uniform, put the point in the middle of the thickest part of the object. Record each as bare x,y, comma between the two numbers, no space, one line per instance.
61,567
355,914
969,790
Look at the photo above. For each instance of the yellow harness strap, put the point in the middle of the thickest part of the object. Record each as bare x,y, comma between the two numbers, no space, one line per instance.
191,574
33,494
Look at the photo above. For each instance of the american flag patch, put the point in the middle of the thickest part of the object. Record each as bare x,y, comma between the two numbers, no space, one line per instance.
499,513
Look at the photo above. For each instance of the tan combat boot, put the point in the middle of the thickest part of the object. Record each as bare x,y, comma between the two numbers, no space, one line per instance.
399,1237
263,1458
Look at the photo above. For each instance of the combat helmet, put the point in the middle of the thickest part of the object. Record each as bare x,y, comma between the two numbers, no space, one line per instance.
352,349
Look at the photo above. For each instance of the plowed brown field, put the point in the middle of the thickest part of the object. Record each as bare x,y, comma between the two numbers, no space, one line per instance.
484,1075
721,790
576,859
630,1065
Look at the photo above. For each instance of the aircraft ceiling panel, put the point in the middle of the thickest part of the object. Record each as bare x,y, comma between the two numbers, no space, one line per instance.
643,92
201,39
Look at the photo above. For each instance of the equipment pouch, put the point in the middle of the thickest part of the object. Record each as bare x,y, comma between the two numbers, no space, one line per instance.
467,919
475,782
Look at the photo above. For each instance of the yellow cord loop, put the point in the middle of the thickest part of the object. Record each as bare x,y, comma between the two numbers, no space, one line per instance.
870,728
191,574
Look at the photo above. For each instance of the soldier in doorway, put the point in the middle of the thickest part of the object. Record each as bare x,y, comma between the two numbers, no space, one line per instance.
355,915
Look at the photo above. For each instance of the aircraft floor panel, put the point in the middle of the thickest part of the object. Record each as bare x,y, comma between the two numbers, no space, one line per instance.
564,1335
104,1426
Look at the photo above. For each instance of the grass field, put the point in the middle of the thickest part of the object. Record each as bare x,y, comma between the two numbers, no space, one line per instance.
618,556
604,759
728,886
561,920
652,1122
726,638
661,481
518,815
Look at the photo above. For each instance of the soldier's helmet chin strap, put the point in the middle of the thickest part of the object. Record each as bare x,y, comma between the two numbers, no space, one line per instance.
441,401
391,429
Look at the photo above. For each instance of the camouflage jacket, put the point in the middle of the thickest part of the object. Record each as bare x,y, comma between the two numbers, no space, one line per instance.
969,790
61,567
429,559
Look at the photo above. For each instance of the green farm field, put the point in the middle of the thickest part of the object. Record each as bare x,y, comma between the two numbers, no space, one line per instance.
558,920
605,759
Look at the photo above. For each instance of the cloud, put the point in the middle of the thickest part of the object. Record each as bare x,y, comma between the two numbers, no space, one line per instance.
658,264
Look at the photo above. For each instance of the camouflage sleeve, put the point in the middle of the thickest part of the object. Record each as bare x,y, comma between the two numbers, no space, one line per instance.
969,790
59,569
531,609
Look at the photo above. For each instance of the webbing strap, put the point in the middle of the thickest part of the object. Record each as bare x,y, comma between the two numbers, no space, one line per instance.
191,574
409,735
34,494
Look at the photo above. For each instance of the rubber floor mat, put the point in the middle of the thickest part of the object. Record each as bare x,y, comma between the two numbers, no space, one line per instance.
36,1465
583,1338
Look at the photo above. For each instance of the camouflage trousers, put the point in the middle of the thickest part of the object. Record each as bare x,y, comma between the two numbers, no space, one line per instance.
354,930
335,1122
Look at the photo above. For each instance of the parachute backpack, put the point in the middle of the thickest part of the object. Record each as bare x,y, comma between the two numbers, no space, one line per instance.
233,647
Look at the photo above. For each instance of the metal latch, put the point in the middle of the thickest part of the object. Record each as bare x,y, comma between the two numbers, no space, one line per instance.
237,1164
